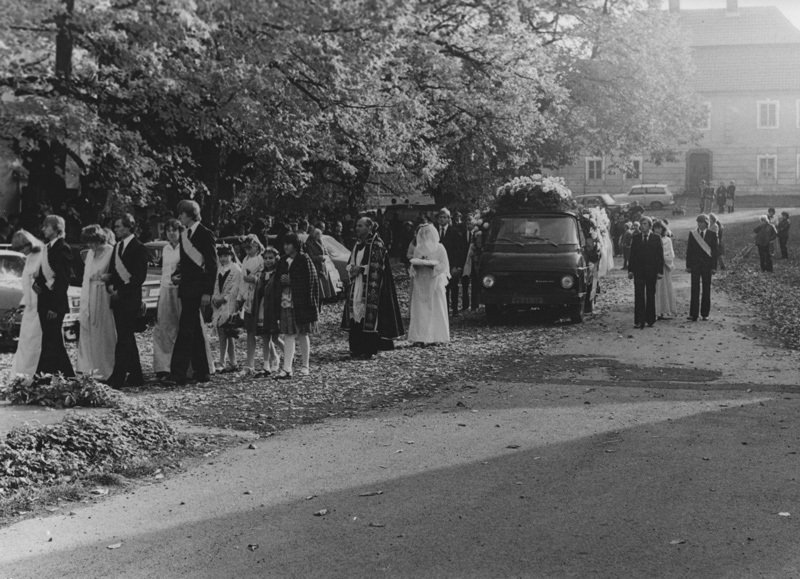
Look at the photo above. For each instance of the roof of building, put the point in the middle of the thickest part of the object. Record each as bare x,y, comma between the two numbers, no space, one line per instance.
747,26
747,68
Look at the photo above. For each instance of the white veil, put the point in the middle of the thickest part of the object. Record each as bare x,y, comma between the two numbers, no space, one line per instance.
430,249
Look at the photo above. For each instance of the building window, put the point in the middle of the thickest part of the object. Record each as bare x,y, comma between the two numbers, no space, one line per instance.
768,114
705,123
633,170
767,168
797,112
594,168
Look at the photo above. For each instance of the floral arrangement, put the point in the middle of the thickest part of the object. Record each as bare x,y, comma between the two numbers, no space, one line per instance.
535,193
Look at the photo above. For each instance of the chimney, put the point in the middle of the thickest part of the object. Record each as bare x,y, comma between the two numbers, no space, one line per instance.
733,6
675,5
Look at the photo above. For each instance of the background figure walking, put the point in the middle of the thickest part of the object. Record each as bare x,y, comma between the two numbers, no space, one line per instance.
51,285
455,244
715,225
730,196
765,236
430,271
783,234
701,263
645,269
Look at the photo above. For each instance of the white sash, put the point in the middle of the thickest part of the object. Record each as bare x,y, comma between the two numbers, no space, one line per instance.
191,250
122,271
701,242
47,271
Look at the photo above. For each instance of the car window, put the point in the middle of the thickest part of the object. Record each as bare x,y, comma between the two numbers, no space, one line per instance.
639,191
11,266
535,230
656,190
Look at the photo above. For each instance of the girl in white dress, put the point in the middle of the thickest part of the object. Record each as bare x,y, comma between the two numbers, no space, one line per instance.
252,267
226,306
29,346
430,272
98,334
666,305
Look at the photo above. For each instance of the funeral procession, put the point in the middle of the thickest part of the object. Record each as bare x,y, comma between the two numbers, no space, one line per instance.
407,289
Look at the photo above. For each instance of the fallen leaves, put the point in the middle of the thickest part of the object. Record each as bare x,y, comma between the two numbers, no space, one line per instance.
321,513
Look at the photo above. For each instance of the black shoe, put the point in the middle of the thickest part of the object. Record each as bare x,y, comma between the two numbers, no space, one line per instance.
203,378
692,319
705,318
650,324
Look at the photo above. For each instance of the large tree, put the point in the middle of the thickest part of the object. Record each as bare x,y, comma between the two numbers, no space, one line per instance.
242,103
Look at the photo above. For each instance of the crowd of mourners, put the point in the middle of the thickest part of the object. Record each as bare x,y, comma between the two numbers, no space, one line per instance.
269,286
269,279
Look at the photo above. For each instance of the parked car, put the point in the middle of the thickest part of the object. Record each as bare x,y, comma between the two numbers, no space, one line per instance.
604,200
11,265
656,196
537,259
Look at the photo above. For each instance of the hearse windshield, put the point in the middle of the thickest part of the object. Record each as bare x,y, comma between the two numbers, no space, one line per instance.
552,230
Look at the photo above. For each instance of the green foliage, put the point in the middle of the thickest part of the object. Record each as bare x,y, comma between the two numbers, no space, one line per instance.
81,445
59,392
233,102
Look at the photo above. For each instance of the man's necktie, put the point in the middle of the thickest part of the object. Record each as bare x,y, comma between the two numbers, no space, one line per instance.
119,250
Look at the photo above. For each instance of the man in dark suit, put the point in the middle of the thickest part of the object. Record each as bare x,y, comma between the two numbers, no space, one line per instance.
197,272
455,243
646,266
126,274
51,285
701,263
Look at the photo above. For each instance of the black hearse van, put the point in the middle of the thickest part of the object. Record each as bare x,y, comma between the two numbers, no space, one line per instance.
538,259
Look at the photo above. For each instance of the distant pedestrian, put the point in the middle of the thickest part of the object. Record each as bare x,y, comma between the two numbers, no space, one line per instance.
701,263
730,196
708,197
701,194
720,197
765,238
645,269
715,225
783,234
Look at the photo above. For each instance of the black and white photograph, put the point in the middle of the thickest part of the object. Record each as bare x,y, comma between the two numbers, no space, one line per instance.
399,288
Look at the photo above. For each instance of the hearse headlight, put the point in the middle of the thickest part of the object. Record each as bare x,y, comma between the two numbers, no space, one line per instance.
567,282
488,281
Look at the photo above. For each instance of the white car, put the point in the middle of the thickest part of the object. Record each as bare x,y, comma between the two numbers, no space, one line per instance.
654,196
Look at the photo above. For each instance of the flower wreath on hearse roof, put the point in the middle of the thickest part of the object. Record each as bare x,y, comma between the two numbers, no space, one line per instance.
539,193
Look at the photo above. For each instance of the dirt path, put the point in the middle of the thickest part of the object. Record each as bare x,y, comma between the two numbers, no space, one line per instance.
663,452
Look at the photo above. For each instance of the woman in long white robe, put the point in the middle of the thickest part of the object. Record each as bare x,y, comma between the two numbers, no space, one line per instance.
98,334
430,272
168,314
666,305
29,346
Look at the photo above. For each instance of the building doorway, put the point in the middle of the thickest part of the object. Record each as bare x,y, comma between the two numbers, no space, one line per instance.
698,168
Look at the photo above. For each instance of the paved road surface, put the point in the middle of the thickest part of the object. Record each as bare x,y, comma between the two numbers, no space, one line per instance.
659,453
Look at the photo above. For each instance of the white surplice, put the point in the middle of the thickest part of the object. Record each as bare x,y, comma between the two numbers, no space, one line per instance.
666,305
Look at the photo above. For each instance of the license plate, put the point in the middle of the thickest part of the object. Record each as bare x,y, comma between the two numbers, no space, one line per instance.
527,300
155,292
